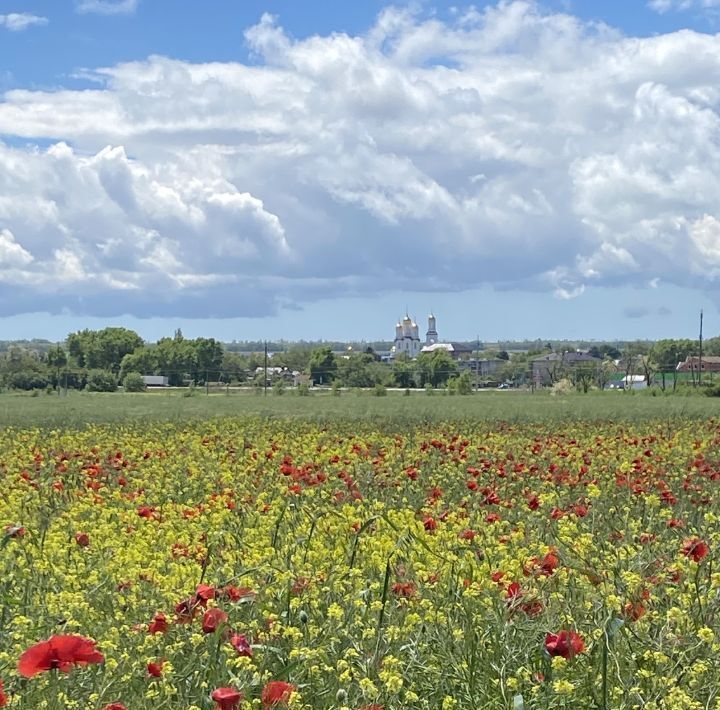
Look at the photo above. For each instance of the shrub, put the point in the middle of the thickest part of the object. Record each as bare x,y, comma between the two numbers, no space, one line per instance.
101,381
380,390
335,388
713,391
278,387
134,382
562,387
303,390
464,383
27,380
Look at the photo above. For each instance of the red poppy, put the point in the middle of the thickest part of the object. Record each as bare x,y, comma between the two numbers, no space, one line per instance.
241,645
236,594
430,524
565,643
3,697
212,619
82,539
204,592
227,698
406,590
154,668
634,610
159,624
696,549
14,531
114,706
58,652
276,692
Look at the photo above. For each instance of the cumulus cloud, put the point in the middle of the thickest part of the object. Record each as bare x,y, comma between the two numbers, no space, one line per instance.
19,21
107,7
509,146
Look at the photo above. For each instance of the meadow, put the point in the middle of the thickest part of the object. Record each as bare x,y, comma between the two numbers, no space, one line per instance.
80,408
356,552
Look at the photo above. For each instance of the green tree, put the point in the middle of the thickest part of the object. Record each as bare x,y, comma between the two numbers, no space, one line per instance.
103,349
208,358
403,371
143,361
436,368
322,366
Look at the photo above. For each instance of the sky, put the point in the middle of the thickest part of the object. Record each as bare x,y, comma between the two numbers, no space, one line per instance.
249,170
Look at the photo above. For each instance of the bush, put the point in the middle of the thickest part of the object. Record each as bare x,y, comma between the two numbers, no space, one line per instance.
278,388
134,382
101,381
713,391
380,390
562,387
303,390
464,383
335,388
27,380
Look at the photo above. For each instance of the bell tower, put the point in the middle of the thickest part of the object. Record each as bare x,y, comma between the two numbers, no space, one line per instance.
431,336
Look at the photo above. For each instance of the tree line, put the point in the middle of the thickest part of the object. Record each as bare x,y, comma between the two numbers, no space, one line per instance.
103,359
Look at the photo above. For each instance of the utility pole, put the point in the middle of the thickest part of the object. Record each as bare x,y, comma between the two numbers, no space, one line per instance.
700,357
477,365
265,381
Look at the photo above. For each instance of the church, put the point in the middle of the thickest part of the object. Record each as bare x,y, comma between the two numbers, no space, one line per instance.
407,340
407,336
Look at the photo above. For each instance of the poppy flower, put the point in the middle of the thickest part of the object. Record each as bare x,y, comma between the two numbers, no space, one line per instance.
3,697
58,652
406,590
696,549
241,645
565,643
212,619
204,592
159,624
114,706
14,531
227,698
82,539
154,668
275,693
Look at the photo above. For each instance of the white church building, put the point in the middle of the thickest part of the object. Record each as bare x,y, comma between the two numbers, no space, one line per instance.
407,336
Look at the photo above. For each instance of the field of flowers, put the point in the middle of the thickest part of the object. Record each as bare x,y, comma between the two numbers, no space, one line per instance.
249,563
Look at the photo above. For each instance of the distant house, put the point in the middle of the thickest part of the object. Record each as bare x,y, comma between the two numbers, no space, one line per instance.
710,363
455,350
547,369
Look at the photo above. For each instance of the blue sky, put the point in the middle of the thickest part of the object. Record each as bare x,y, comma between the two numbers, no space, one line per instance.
307,170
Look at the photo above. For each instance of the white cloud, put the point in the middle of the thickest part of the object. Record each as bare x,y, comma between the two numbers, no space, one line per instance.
663,6
19,21
107,7
509,146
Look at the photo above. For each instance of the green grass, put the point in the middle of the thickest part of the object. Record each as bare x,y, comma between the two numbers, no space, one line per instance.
79,409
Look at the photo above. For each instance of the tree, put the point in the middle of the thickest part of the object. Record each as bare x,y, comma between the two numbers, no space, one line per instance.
322,366
143,361
208,358
103,349
436,368
667,353
57,359
403,371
